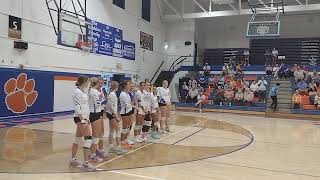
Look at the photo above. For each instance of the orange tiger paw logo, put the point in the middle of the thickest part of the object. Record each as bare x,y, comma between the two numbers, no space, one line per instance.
20,93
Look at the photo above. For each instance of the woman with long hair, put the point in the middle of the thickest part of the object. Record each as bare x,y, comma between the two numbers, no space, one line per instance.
95,99
81,119
125,112
114,120
141,112
154,113
165,106
100,151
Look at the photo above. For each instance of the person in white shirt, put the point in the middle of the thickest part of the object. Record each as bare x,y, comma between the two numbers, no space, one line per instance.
206,69
262,89
165,106
147,118
142,110
114,120
201,97
125,112
193,94
275,54
81,118
254,88
154,113
95,99
275,70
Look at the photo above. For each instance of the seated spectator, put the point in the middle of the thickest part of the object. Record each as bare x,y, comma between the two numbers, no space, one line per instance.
312,94
193,94
221,81
201,97
298,75
239,84
192,83
245,82
296,100
202,82
305,70
292,69
200,88
248,95
216,79
283,71
184,86
255,88
228,97
219,96
275,70
315,75
269,70
317,100
206,69
318,86
211,80
239,96
232,83
226,86
302,87
308,79
312,84
225,68
184,92
262,84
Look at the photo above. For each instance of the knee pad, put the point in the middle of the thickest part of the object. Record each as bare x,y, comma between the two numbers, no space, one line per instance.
136,127
96,140
77,140
87,142
124,131
118,133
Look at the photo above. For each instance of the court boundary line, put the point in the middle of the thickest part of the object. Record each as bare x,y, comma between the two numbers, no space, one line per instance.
188,136
149,144
135,175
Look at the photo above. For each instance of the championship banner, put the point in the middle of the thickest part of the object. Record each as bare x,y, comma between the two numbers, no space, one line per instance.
146,41
14,30
129,50
108,40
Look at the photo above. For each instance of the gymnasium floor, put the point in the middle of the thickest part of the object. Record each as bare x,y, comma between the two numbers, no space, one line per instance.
202,146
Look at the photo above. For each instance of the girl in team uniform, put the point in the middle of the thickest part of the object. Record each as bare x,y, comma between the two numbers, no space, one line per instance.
114,120
147,118
141,111
125,112
165,106
100,151
81,118
132,116
95,99
154,113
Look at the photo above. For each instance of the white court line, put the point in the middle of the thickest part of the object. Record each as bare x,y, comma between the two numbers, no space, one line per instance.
147,145
136,175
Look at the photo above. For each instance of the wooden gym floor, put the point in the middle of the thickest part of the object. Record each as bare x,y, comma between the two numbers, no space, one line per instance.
202,146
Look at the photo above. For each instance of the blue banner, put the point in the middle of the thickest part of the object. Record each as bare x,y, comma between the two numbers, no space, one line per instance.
129,50
25,92
108,40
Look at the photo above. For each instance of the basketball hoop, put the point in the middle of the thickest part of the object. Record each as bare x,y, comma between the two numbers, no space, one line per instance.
84,46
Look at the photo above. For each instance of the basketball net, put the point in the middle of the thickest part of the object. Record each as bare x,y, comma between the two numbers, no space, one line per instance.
86,47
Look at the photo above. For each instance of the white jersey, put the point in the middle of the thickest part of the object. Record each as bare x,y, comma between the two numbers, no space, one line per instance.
154,102
139,99
164,95
112,104
125,103
147,100
81,104
95,100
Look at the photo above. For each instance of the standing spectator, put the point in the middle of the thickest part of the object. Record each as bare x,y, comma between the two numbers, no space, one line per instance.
246,55
269,70
275,70
312,94
193,94
298,75
255,88
267,56
262,89
275,54
274,96
206,69
296,100
248,95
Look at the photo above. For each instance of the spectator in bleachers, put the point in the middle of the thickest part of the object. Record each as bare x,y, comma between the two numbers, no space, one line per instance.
228,96
275,71
267,55
269,70
219,96
312,94
211,80
201,97
192,83
312,84
318,86
221,80
296,100
200,88
185,86
293,69
283,71
245,82
298,74
246,55
206,69
255,88
317,100
305,70
248,95
239,96
275,54
262,84
193,94
302,87
239,84
202,82
315,75
184,92
225,68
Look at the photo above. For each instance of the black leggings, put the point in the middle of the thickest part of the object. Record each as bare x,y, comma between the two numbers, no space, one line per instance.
147,123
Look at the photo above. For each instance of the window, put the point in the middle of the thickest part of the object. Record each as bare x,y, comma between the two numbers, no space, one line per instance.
120,3
146,10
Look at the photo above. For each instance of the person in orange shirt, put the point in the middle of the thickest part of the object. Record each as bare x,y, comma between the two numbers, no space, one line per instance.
296,100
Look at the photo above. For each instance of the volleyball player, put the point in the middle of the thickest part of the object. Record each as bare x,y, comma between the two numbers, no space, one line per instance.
81,118
125,112
147,118
165,106
141,111
95,99
114,120
154,113
132,116
100,151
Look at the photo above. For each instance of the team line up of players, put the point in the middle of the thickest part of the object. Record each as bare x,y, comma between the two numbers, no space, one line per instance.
145,109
